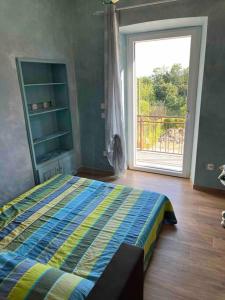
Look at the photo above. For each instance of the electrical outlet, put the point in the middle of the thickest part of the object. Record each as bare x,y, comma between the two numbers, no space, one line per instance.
104,153
210,167
102,105
103,115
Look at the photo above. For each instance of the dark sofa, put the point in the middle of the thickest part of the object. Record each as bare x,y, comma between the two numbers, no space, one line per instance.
123,278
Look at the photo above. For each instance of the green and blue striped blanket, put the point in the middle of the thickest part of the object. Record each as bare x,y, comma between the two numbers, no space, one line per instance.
57,239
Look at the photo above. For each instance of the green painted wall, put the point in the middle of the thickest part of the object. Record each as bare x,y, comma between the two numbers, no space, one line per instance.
89,69
36,29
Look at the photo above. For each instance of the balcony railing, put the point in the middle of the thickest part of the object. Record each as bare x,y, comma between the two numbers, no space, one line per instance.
161,134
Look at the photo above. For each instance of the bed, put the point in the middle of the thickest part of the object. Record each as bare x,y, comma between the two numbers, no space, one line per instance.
57,239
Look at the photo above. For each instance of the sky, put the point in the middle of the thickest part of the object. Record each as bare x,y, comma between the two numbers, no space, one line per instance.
158,53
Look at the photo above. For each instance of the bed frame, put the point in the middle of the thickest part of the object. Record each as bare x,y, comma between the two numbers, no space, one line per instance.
123,278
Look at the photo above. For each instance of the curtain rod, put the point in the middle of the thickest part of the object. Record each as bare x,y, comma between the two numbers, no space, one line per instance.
138,5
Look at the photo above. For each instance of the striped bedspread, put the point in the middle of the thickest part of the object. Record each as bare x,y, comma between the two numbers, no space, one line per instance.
61,235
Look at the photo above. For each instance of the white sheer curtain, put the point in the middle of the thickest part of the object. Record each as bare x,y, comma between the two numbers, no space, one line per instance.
115,125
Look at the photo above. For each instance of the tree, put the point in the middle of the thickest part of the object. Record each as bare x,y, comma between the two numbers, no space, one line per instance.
164,93
146,89
167,86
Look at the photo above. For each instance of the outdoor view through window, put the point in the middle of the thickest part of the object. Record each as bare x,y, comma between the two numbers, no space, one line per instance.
162,71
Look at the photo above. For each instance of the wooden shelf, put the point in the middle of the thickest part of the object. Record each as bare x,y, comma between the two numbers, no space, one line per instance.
46,111
44,84
50,137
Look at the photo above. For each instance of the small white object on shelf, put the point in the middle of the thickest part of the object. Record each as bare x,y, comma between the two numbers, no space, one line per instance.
34,106
47,104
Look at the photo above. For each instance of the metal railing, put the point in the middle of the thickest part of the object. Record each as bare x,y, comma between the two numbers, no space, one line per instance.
162,134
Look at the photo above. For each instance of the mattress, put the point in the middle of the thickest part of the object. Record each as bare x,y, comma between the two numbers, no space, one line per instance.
71,226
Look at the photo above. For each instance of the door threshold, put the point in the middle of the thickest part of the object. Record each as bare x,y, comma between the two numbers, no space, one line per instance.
158,171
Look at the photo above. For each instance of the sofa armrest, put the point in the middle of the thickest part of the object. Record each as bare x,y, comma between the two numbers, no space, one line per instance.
123,278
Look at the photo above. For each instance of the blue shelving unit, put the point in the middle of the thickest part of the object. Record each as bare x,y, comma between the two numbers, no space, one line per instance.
44,88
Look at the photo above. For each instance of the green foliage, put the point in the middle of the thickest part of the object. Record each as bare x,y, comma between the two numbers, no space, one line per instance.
175,123
167,87
150,134
144,108
164,93
146,89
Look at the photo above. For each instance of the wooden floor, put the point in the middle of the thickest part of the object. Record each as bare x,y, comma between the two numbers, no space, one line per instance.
189,259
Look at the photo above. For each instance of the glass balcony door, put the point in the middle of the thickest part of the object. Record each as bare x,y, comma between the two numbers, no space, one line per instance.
162,67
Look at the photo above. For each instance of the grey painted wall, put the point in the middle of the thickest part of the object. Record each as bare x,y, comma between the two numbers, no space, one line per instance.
36,29
89,60
89,67
67,29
